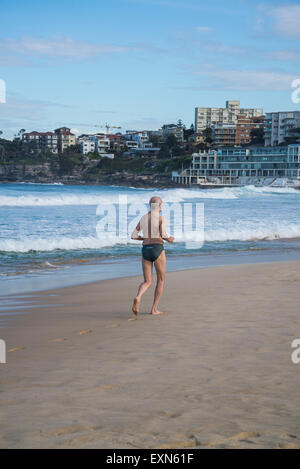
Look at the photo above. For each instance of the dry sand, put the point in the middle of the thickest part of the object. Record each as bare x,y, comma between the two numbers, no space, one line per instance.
214,372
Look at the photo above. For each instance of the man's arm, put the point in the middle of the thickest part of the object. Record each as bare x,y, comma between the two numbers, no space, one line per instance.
135,233
165,237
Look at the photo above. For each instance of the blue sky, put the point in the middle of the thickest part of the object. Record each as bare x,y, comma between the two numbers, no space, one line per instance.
142,63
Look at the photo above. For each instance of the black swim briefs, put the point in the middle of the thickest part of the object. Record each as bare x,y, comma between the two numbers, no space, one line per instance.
151,252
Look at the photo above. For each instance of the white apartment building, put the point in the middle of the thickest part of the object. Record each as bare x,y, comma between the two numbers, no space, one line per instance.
87,146
208,116
92,143
278,126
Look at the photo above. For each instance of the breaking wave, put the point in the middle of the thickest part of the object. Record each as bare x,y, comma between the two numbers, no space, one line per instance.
168,195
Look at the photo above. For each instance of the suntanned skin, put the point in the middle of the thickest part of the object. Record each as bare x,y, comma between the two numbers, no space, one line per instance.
160,267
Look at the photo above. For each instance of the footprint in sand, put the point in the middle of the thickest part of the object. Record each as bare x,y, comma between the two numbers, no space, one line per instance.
288,446
178,444
57,340
242,436
89,331
112,325
245,436
65,431
289,435
106,387
16,349
170,415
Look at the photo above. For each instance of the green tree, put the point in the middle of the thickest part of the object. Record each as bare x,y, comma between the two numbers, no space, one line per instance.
188,132
257,136
208,135
73,149
67,163
2,148
154,139
171,141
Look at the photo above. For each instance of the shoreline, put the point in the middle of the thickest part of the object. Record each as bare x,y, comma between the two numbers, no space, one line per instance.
130,183
214,372
77,274
142,185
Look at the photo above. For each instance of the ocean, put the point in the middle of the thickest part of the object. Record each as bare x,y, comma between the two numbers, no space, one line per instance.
52,231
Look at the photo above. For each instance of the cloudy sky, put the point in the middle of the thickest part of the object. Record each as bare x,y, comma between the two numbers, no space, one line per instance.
141,63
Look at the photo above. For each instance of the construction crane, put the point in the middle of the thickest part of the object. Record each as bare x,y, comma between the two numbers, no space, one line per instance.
107,127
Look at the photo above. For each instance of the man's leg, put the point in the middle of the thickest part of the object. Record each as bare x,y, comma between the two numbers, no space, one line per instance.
160,267
147,271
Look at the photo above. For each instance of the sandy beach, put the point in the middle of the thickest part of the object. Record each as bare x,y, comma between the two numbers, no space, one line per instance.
214,372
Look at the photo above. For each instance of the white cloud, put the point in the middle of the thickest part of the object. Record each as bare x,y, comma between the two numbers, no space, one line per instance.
57,47
227,49
285,55
287,19
20,112
244,80
28,51
142,123
204,29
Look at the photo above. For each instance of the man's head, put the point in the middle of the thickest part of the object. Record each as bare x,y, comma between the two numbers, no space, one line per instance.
155,203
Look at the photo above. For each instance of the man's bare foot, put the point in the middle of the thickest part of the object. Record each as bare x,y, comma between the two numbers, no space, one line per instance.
156,312
136,306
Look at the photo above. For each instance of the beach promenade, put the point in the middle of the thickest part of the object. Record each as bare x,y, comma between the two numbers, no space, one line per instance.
214,372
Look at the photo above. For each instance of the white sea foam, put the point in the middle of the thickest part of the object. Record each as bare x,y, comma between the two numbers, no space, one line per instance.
168,195
253,233
249,232
65,243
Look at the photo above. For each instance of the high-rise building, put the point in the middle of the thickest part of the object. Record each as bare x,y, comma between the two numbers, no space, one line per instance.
278,126
208,116
244,127
223,135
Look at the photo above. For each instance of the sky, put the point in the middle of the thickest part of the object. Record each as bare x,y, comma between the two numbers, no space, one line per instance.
139,64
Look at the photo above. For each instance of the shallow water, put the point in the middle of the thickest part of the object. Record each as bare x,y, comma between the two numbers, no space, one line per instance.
46,229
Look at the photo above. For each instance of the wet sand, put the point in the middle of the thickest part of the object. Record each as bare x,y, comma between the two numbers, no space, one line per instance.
214,372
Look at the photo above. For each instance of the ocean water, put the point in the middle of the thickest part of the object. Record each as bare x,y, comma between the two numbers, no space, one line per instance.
48,228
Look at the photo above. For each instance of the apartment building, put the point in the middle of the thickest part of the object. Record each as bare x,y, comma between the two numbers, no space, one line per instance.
87,146
65,138
278,126
137,139
208,116
234,165
244,128
116,142
41,140
97,142
224,135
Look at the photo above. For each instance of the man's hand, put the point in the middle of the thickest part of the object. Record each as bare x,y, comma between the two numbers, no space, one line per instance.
171,239
137,238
